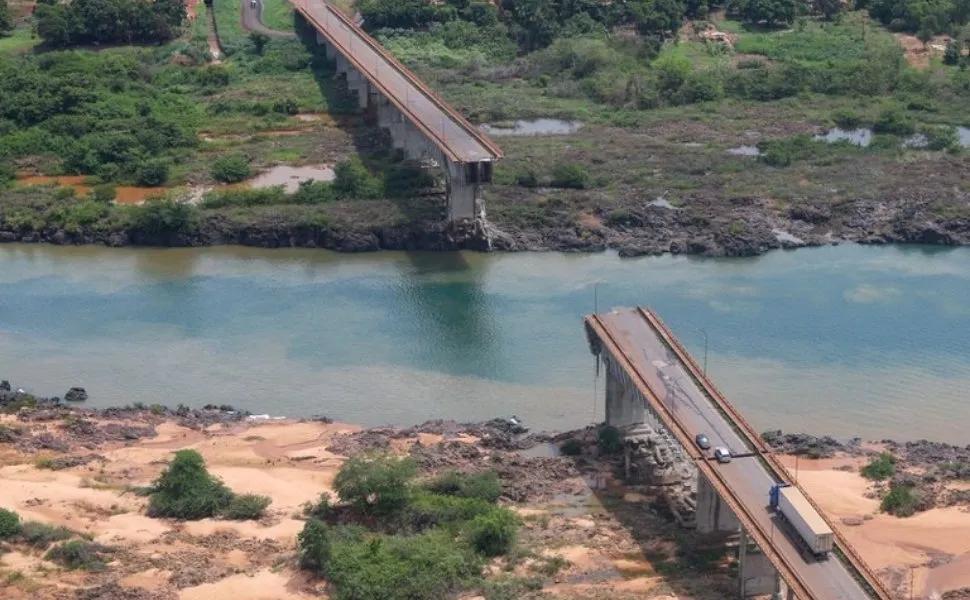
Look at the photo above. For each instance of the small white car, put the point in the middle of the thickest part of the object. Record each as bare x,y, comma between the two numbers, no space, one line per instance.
723,455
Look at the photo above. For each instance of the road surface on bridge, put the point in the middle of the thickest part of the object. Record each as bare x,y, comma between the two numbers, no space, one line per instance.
747,477
458,139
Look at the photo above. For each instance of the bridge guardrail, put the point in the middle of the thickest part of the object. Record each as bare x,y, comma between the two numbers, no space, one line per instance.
781,472
762,538
304,7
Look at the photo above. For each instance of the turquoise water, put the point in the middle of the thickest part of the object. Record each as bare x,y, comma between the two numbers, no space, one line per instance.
847,340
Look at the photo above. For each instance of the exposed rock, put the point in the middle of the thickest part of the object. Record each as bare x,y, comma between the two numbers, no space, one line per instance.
76,394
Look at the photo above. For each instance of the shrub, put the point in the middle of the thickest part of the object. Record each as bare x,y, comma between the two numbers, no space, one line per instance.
954,49
314,543
846,119
901,501
163,216
493,533
610,440
940,138
570,175
185,490
353,180
152,174
430,565
320,510
42,535
244,197
880,468
893,122
9,523
78,554
571,447
527,178
246,507
314,192
103,193
231,168
378,484
483,486
426,510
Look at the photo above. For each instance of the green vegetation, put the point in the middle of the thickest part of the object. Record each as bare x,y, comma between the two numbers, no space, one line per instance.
394,539
231,168
278,15
880,468
112,21
610,440
244,507
9,523
79,554
186,490
41,535
901,501
571,447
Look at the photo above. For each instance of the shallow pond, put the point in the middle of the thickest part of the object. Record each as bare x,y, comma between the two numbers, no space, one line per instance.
535,127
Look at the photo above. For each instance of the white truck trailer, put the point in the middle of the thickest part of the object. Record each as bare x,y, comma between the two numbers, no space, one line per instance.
792,505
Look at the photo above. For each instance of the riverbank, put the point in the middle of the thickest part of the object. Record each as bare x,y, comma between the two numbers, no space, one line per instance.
707,227
82,469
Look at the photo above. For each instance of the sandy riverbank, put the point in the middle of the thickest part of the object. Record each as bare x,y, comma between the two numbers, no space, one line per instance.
617,541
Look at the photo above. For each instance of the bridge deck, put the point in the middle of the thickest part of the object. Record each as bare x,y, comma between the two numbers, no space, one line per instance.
684,405
453,134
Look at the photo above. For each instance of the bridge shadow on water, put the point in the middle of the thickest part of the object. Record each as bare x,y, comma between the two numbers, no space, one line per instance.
688,564
416,197
446,295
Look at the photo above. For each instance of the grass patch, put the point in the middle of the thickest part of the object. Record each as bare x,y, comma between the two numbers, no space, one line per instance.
19,40
819,42
278,15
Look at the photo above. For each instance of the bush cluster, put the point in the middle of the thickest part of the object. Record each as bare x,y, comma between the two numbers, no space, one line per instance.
880,468
441,531
186,490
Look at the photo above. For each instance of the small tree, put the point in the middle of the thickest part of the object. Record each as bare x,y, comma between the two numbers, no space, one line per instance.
770,12
954,49
259,41
314,543
186,490
924,35
6,22
493,533
378,485
152,174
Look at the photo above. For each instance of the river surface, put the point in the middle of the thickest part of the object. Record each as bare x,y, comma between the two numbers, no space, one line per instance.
847,340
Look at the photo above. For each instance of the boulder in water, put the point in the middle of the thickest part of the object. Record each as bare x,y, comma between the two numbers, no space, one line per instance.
76,394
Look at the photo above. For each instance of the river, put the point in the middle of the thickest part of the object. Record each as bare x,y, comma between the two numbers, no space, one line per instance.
848,340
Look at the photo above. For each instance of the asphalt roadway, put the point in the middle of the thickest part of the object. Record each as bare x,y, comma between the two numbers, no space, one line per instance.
747,477
381,73
252,20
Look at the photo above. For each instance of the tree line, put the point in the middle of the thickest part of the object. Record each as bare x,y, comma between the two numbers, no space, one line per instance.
108,21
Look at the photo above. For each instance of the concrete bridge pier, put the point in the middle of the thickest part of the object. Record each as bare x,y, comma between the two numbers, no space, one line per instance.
756,575
713,514
463,180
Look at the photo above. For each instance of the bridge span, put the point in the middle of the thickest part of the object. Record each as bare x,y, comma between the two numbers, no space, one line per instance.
652,380
420,122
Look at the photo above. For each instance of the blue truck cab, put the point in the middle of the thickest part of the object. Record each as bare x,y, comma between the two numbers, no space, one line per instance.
773,494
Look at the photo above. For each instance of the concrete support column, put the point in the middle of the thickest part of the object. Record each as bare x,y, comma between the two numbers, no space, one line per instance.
756,576
713,514
623,403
